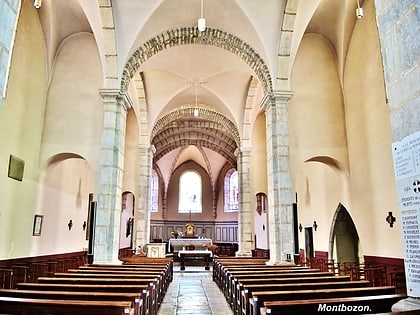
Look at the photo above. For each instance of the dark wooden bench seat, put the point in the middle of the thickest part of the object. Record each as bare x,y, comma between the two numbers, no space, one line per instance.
224,272
160,281
28,306
369,304
105,275
149,300
229,288
242,296
118,270
95,280
134,298
219,263
142,260
167,271
257,299
291,281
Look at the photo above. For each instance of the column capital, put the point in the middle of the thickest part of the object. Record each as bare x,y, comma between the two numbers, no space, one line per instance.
121,97
243,151
269,98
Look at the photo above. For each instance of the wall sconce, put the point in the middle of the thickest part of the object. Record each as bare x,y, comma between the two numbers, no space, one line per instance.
315,226
37,4
390,219
300,227
359,11
70,224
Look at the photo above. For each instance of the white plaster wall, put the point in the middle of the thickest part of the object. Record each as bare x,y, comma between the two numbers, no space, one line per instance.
74,111
318,148
369,142
64,196
258,170
20,134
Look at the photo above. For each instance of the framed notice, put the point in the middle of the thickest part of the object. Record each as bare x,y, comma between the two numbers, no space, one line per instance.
407,172
37,225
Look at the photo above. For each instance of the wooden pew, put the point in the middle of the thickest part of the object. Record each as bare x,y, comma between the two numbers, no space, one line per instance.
219,263
25,306
232,281
134,298
166,275
160,282
166,268
149,302
369,304
279,281
151,283
256,301
244,290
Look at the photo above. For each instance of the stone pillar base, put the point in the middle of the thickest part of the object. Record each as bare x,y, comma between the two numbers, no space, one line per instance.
243,254
280,263
112,262
407,304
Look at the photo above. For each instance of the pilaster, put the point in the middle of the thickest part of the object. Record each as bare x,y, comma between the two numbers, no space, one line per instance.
142,215
280,213
109,185
245,227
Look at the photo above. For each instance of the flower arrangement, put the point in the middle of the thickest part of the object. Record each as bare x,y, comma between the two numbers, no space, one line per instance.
210,247
176,234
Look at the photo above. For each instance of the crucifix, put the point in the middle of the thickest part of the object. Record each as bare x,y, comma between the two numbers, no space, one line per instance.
189,228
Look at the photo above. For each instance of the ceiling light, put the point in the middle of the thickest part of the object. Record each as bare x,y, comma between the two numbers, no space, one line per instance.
201,20
359,11
37,4
196,107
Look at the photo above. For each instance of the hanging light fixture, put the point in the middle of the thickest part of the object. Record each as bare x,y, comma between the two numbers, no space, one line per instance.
201,20
196,101
37,4
359,10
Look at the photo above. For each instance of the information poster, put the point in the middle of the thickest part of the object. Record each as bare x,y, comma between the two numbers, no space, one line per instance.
407,172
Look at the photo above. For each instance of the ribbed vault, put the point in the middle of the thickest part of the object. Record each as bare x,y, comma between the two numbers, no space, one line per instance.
209,129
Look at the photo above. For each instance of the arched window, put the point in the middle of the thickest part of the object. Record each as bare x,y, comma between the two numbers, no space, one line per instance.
154,192
231,191
190,193
261,203
9,11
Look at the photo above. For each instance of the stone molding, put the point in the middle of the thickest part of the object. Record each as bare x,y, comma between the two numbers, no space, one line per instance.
191,35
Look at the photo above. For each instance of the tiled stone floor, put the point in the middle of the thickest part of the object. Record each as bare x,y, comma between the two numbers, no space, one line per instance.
193,292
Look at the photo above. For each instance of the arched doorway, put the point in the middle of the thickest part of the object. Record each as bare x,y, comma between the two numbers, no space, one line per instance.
344,241
127,220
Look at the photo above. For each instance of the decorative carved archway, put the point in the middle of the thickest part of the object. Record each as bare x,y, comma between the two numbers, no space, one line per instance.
191,35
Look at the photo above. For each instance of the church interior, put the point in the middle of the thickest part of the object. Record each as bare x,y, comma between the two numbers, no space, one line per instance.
274,130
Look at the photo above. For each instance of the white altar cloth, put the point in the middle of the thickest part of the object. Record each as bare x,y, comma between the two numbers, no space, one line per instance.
177,244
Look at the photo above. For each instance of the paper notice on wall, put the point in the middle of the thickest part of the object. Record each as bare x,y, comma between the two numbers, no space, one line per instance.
407,172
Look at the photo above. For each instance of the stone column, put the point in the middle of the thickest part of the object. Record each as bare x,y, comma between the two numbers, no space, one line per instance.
109,186
280,213
142,215
245,218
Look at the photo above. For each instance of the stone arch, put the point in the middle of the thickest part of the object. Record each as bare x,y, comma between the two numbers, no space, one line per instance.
344,237
191,35
205,114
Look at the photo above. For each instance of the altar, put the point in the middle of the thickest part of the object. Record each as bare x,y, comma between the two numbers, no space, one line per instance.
205,254
177,244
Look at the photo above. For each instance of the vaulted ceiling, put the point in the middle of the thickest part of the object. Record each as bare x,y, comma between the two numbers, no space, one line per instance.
220,75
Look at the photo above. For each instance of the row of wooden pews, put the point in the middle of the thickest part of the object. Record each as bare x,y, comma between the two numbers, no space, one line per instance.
137,287
252,287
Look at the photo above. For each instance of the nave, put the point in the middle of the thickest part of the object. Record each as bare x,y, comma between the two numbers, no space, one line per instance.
193,291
